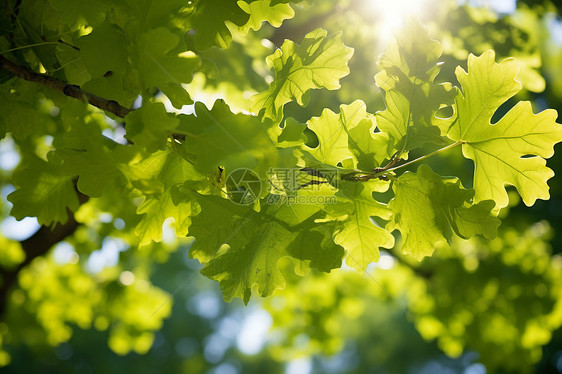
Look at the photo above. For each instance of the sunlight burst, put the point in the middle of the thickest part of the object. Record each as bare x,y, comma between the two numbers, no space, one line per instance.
392,14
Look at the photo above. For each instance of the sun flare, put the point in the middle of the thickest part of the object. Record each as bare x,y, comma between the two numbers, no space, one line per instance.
393,12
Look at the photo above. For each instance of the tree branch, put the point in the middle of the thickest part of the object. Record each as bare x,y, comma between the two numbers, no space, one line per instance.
70,90
45,238
37,245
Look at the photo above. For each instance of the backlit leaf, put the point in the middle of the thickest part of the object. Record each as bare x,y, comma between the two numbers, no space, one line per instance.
410,66
44,191
320,61
359,235
428,208
264,10
511,151
208,19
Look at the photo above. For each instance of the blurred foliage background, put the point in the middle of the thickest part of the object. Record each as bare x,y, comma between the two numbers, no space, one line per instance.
97,304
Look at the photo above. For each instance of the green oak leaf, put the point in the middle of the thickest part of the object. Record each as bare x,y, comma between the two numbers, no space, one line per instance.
218,137
412,54
369,148
511,151
44,190
75,70
428,208
161,170
160,67
264,10
90,155
409,68
85,152
208,19
18,119
316,249
239,269
161,178
150,126
240,248
19,113
301,210
396,121
6,26
112,88
292,134
211,234
360,237
331,130
157,208
348,135
319,62
300,205
72,12
155,13
103,50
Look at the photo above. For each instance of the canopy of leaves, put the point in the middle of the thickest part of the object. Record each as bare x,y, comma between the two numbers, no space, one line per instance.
142,127
409,68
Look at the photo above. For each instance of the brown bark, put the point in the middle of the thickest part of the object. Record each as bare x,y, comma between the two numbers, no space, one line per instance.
70,90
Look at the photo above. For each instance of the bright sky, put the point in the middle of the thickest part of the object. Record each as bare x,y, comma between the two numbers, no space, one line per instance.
394,11
499,6
10,227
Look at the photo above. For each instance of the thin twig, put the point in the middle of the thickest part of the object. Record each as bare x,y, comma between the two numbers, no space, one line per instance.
425,156
68,89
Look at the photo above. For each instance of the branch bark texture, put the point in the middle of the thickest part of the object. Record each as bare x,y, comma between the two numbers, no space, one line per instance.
70,90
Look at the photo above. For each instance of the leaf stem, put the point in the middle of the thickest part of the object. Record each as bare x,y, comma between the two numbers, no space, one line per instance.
30,46
382,172
424,156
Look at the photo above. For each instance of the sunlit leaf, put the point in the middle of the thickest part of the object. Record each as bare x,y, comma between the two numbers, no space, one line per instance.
263,10
320,61
511,151
44,191
428,208
359,235
410,66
